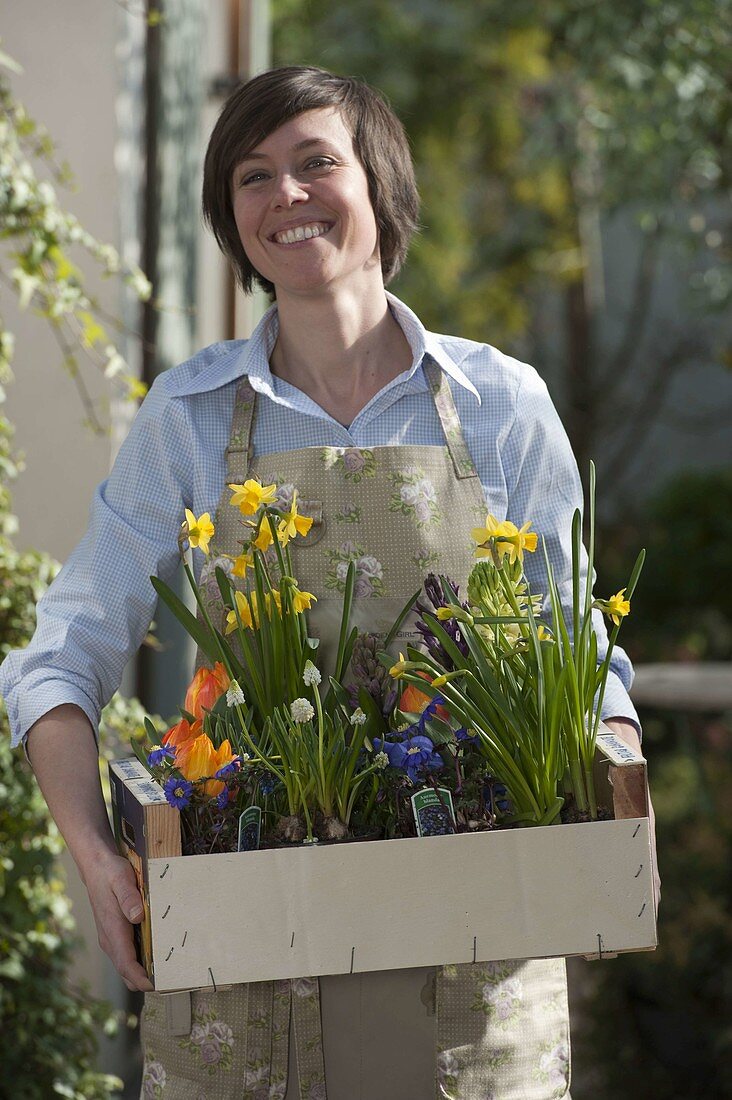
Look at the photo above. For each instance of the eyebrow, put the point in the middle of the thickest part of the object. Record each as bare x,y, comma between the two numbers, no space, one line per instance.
305,144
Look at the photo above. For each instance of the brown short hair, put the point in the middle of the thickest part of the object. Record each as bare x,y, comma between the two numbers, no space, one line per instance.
259,107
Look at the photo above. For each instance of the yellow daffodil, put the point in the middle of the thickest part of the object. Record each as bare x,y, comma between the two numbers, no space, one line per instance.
242,563
302,601
200,531
250,496
445,678
516,541
264,539
396,670
292,523
245,614
492,530
444,613
506,538
616,607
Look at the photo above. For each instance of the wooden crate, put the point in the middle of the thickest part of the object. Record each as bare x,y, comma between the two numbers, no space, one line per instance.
377,905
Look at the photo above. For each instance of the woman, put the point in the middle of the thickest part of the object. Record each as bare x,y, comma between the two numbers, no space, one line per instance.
400,440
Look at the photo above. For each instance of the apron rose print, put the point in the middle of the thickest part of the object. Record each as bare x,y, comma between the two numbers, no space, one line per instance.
355,463
426,560
553,1068
415,495
369,570
211,1041
153,1081
349,513
448,1069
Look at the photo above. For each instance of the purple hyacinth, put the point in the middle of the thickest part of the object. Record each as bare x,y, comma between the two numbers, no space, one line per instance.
438,597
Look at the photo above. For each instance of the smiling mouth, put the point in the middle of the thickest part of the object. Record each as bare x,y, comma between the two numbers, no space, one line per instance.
301,233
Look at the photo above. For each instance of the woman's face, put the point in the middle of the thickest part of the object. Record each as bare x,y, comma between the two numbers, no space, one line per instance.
302,208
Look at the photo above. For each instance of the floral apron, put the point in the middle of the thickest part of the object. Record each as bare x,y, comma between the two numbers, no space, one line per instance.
485,1031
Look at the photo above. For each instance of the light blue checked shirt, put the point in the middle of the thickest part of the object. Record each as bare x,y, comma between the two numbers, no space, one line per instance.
97,611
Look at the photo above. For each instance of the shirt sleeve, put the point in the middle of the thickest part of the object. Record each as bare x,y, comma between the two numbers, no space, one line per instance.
98,609
544,487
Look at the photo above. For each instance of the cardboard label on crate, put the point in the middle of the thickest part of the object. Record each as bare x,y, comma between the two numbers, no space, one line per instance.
148,791
616,750
131,769
250,827
434,814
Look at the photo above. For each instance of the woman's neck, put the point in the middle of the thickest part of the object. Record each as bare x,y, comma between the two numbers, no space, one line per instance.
339,352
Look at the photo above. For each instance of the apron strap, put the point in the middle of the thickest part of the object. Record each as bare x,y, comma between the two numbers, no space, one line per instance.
240,450
449,419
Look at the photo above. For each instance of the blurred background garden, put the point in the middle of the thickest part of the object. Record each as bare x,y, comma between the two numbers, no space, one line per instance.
574,163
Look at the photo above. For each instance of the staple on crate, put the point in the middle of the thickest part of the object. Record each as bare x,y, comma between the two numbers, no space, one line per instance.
353,952
185,936
638,871
599,945
635,834
292,941
167,865
165,913
642,908
169,953
213,980
475,948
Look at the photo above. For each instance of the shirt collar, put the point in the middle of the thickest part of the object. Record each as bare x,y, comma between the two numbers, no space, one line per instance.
252,359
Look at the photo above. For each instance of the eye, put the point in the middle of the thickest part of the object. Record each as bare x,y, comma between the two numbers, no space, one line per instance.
252,177
320,162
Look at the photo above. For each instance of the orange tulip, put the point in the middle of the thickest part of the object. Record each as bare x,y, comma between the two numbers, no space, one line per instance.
205,688
198,759
182,732
413,701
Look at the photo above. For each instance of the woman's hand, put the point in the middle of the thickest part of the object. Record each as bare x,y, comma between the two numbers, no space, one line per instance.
63,754
627,732
116,905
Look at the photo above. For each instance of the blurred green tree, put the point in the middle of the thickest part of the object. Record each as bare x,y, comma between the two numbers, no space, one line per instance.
539,128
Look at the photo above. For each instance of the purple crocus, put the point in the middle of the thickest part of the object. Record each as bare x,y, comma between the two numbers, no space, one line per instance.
178,792
160,754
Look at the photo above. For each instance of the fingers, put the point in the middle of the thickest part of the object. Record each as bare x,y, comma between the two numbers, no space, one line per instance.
124,887
116,902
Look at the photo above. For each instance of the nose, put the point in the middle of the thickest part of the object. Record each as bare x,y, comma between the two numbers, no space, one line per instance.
288,190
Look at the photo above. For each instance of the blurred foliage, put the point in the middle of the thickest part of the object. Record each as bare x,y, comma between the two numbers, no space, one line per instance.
682,609
50,1028
659,1026
540,129
662,1021
37,240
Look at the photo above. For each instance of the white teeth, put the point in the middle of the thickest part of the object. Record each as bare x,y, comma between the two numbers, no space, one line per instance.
301,233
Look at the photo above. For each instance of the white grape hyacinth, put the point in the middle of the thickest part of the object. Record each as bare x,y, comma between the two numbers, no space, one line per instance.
234,695
301,710
311,675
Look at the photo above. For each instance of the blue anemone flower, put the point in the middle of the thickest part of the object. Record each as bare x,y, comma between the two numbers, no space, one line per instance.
463,735
413,755
178,792
227,770
159,754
